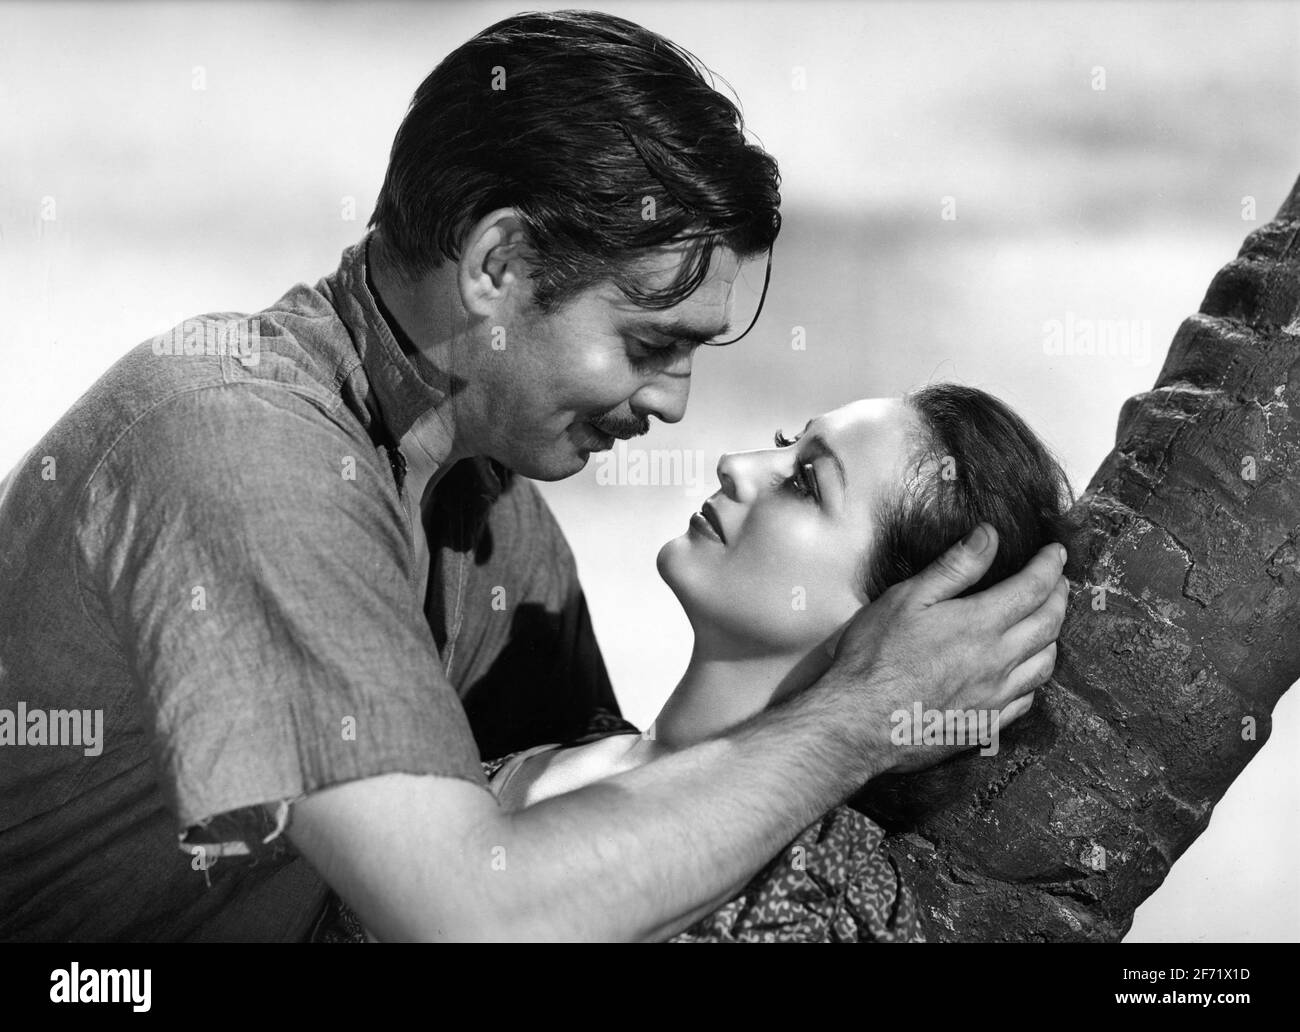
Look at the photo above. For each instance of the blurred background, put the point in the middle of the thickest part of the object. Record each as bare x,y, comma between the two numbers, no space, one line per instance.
965,187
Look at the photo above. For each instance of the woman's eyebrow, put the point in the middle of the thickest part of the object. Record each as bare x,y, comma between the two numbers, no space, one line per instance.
817,448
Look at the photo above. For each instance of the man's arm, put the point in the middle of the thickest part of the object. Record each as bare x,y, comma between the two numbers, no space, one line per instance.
644,854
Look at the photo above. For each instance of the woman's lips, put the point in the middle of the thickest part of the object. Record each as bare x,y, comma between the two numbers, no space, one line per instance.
707,523
702,526
715,521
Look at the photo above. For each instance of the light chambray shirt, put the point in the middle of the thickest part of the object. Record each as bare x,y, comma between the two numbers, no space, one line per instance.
209,558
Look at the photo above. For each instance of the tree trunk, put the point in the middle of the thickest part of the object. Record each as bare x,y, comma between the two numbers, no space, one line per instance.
1160,698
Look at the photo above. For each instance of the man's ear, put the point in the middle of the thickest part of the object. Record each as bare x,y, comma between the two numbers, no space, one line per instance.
493,261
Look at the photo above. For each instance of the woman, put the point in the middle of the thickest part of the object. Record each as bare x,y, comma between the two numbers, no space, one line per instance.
798,538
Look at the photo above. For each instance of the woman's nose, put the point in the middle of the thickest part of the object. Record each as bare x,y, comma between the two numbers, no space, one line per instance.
737,473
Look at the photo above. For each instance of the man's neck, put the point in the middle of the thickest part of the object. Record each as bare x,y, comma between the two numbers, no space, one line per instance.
420,315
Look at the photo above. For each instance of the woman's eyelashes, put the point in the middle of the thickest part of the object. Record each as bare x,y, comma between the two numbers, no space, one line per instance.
804,479
804,482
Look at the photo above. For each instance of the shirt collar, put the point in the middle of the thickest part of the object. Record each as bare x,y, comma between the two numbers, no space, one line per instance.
406,389
401,390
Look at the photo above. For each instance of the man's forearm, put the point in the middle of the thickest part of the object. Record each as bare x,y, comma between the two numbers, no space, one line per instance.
636,856
645,853
639,855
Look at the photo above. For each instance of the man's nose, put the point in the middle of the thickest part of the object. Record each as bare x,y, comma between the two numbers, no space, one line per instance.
666,395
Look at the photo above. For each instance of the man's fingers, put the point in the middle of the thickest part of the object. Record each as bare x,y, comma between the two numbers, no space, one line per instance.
1016,710
1029,675
1040,628
958,568
1011,600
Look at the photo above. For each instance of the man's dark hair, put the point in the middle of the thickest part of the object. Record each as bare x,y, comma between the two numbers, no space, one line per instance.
976,462
579,120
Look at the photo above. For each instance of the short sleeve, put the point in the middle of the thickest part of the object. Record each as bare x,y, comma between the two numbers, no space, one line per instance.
251,554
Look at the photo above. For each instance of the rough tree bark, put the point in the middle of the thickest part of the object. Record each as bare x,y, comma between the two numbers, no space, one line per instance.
1160,699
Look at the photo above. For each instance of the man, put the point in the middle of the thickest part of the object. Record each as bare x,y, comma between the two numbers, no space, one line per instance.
284,561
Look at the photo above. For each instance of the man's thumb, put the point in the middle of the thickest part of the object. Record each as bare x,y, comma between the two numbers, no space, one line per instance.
960,567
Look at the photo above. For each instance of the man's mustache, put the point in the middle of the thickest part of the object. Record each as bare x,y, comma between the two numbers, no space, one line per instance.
622,427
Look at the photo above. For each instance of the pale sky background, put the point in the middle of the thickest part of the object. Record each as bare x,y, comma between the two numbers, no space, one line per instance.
1072,203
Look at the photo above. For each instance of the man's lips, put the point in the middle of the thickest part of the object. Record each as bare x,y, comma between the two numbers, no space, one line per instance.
598,440
618,433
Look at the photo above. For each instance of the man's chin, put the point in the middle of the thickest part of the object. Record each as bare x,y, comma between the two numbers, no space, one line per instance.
552,467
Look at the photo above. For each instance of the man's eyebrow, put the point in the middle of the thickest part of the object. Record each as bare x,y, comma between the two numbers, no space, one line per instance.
679,330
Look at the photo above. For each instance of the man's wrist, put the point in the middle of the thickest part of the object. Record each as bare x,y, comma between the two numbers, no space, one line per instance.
822,732
857,729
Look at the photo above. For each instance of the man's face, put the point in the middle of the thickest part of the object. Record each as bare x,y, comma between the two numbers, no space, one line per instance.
550,389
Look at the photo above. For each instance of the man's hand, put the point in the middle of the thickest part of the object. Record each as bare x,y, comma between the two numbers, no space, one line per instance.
919,643
645,853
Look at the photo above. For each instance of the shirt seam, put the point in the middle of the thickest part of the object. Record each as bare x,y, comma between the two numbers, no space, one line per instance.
454,635
79,586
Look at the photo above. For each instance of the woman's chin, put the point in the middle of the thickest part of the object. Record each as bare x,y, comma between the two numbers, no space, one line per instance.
679,567
672,555
711,611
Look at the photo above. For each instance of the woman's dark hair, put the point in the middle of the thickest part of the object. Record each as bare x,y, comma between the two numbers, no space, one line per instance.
579,120
976,462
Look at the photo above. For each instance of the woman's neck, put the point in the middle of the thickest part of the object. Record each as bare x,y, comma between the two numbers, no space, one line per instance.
723,687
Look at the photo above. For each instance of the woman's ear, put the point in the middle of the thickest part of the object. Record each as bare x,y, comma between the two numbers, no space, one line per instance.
833,642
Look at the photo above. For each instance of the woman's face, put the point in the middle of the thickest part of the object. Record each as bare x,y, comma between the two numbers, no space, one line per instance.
781,570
